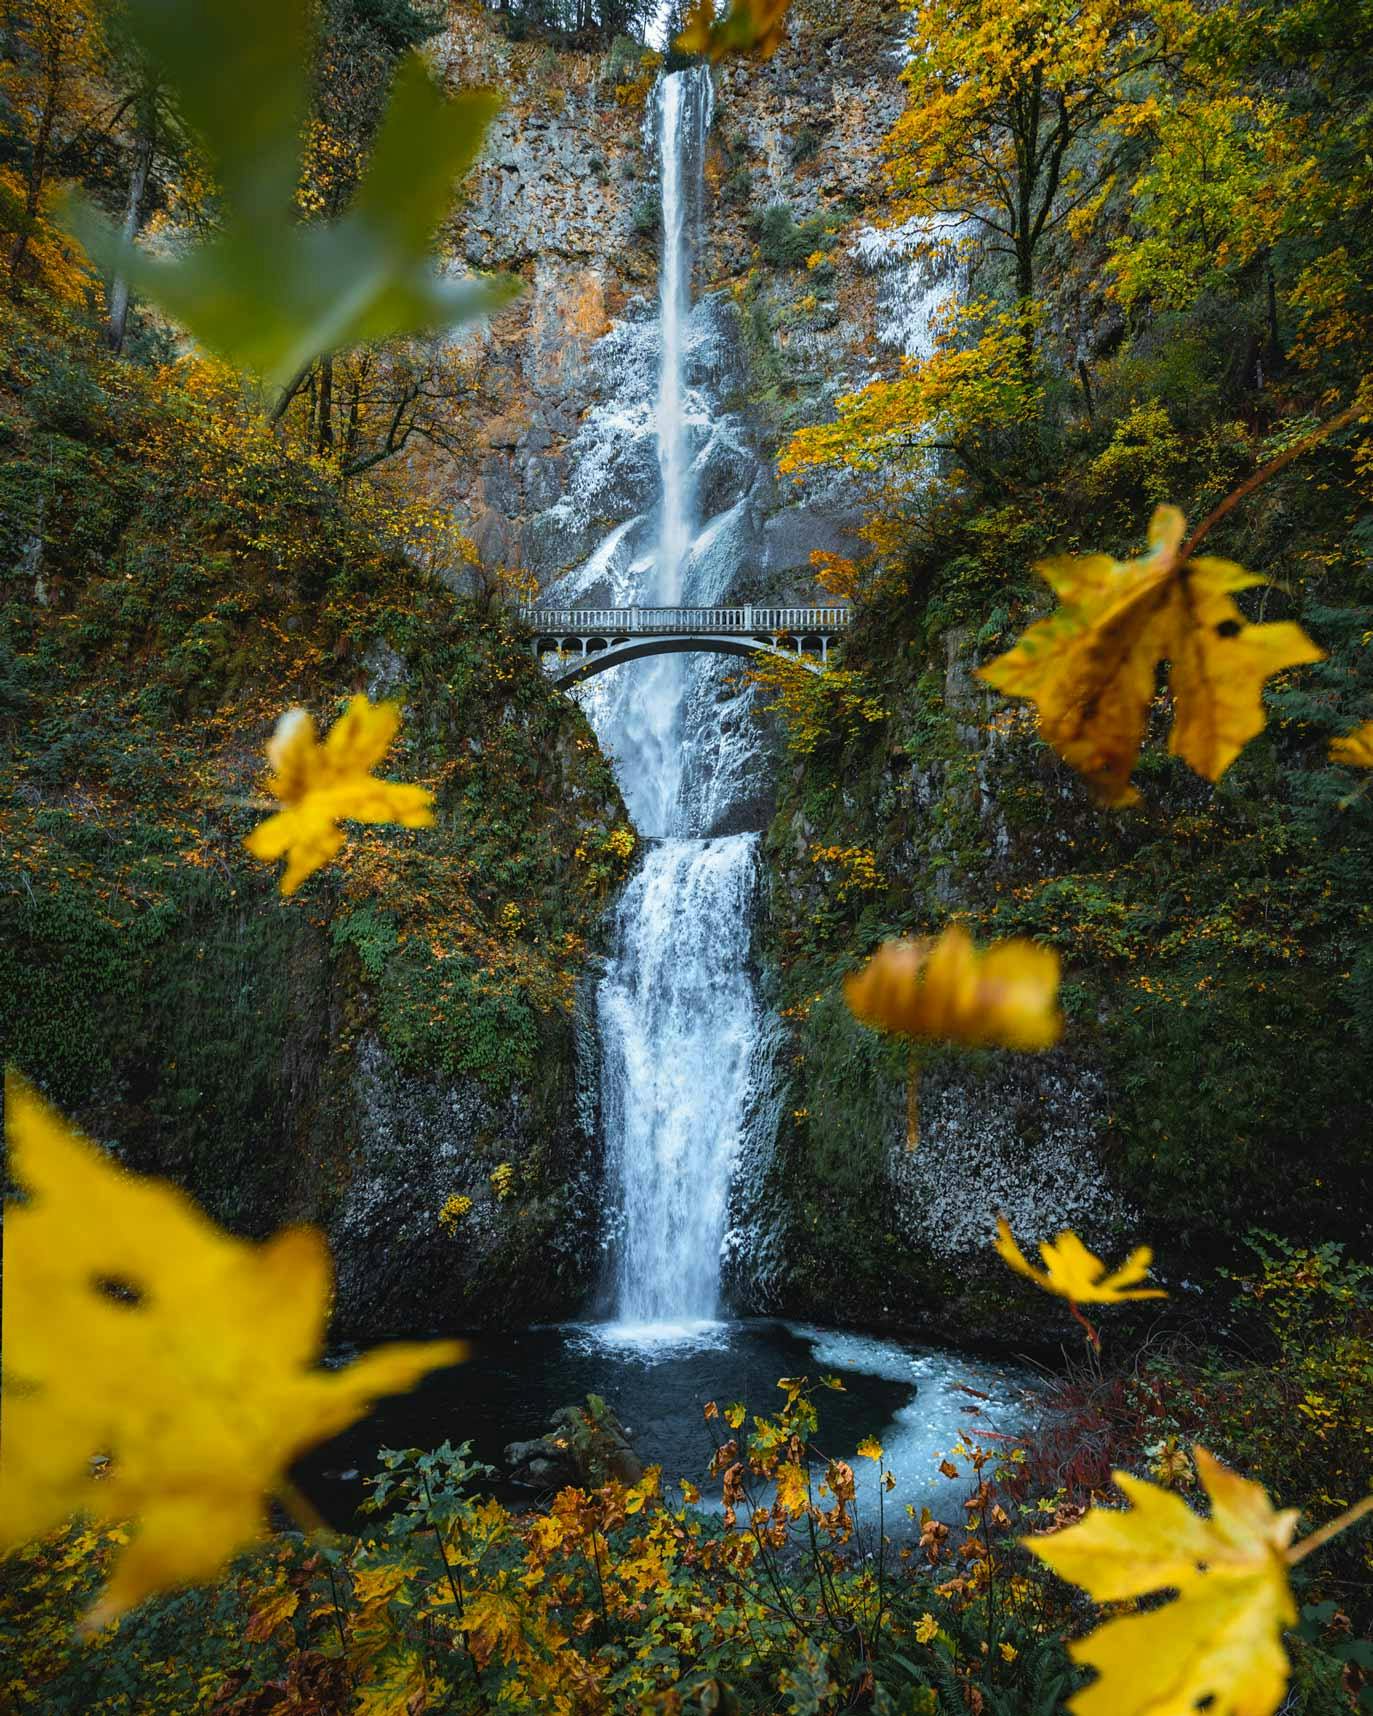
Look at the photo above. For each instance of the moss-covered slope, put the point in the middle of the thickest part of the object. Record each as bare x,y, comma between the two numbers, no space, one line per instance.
1217,1072
404,1028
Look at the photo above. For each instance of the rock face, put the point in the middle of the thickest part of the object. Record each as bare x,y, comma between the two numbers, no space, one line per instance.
798,298
566,198
585,1446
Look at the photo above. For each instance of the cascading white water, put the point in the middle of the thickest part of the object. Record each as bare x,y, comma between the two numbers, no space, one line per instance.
679,1021
648,722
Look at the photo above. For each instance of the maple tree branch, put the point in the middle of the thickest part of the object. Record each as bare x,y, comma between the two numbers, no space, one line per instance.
1332,1528
1093,1338
1264,472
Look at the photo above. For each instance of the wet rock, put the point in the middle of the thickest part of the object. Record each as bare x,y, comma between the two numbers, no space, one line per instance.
586,1446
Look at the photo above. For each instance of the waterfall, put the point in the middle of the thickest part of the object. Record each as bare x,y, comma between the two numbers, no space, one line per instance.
646,733
679,1020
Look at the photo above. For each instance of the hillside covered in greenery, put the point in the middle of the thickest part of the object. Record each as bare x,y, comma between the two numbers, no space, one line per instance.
971,1015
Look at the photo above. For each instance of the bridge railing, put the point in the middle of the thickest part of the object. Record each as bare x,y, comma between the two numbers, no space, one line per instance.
745,621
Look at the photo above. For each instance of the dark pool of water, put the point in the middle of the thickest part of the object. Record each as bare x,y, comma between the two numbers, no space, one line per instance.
916,1400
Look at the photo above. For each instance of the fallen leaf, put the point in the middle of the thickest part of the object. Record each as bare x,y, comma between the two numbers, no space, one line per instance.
1218,1643
1071,1271
1354,750
1090,668
871,1449
752,27
137,1331
949,991
321,785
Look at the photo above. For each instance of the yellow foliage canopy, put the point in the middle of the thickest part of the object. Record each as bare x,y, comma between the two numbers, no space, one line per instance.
1091,666
1074,1273
949,991
1219,1643
139,1334
320,785
975,381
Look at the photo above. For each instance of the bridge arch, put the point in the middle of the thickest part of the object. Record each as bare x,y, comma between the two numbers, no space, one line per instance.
573,668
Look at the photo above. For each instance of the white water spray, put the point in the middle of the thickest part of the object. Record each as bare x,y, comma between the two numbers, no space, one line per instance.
648,739
679,1021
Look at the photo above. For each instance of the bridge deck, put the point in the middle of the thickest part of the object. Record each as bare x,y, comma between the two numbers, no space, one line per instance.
743,621
580,642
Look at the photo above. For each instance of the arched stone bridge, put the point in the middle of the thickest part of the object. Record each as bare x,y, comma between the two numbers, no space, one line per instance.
575,643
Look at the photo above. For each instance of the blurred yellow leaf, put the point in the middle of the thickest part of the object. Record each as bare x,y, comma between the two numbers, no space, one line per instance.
1071,1271
949,991
1090,668
1218,1644
871,1449
138,1333
734,1415
926,1628
321,785
752,27
1354,749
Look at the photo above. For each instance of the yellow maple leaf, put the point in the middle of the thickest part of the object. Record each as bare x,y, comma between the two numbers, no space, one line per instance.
271,1609
752,27
735,1414
793,1490
1073,1272
1218,1644
377,1585
493,1620
926,1628
321,785
137,1331
647,1488
1090,668
398,1686
950,991
871,1449
1354,749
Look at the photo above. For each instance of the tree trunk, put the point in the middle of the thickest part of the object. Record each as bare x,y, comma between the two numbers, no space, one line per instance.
133,220
326,406
1025,289
38,173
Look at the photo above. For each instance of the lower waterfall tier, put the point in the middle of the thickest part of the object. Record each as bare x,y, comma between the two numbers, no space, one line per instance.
679,1025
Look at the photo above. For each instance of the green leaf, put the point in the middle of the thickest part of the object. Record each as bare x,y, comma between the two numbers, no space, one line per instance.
269,293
